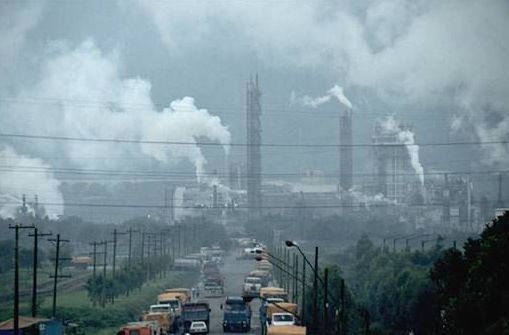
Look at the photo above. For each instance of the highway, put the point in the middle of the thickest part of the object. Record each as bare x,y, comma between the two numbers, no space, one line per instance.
234,272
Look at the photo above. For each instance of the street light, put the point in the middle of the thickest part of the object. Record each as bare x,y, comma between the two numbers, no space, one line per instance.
290,244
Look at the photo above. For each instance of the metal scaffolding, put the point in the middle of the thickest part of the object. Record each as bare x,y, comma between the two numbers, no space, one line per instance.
254,157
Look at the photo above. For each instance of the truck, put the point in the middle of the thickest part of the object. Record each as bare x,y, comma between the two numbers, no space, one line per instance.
187,264
263,275
184,294
236,315
194,311
213,285
162,319
273,292
270,308
139,328
164,315
264,265
251,287
263,309
210,268
286,330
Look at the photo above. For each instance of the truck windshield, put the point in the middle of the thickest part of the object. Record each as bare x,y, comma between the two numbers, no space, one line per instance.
196,315
253,280
160,309
283,318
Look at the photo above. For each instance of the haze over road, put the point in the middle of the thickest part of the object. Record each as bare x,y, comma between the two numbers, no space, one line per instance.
234,272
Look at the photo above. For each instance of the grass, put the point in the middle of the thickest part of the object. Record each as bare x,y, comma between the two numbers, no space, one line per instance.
91,319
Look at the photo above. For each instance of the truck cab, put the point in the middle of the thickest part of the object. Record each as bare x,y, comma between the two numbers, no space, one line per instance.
252,286
237,315
282,319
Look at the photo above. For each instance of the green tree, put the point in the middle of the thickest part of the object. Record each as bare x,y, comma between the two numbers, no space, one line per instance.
473,285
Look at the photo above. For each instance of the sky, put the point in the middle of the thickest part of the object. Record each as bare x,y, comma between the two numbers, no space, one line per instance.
177,71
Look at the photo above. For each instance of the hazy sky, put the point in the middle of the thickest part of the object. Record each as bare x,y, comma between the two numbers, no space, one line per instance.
110,68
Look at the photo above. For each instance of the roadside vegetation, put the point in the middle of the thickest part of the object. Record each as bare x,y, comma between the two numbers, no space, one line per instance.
437,291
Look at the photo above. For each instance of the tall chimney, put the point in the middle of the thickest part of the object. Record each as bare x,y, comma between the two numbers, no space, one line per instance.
345,150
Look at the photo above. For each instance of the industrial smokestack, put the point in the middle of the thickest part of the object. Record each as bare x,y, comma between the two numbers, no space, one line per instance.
345,149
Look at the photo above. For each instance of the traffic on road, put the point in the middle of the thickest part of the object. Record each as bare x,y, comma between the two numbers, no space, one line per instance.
236,293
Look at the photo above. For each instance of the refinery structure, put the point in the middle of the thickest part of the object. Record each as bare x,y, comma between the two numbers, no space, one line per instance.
397,184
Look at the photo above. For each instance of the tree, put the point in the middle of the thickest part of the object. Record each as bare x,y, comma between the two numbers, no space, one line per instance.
473,286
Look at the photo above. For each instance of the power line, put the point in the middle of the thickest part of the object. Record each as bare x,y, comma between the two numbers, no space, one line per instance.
275,110
282,145
183,174
154,206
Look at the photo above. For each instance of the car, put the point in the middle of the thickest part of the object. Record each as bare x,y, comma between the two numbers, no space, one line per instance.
283,319
198,327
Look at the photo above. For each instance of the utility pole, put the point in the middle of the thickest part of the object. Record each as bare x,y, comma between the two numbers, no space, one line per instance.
342,304
315,294
115,234
130,232
142,245
303,290
36,236
295,278
16,228
179,236
287,268
325,301
56,276
94,259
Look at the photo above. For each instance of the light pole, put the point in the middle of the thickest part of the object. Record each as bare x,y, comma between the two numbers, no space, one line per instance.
290,244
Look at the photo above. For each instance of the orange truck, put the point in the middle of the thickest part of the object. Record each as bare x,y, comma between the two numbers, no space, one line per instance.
140,328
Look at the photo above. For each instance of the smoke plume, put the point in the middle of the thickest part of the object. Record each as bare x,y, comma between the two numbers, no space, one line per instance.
21,174
407,137
334,92
81,93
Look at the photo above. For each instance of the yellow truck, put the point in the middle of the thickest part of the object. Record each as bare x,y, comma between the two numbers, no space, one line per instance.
282,307
175,298
164,320
183,293
264,265
273,292
286,330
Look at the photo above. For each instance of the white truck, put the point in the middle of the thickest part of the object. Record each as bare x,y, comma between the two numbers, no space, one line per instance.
252,286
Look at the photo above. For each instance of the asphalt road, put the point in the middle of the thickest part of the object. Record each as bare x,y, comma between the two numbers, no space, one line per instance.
234,272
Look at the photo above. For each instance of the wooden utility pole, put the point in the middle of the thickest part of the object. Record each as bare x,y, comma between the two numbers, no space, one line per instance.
315,295
36,236
325,301
130,232
16,228
303,291
115,234
56,276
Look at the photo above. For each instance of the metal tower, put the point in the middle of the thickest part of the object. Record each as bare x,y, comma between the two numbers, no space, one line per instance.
345,150
254,157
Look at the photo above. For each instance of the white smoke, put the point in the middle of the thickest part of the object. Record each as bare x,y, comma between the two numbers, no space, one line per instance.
397,49
408,138
21,174
374,200
334,92
82,94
